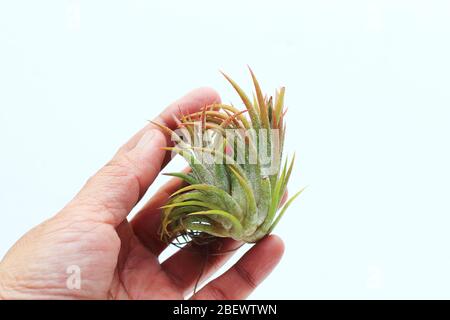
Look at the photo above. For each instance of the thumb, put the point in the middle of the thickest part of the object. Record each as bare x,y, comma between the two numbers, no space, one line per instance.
113,191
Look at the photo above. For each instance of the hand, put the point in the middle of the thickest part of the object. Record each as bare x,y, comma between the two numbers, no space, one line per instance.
89,250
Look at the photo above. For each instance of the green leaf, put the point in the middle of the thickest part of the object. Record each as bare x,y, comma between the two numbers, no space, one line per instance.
185,177
235,222
254,116
280,215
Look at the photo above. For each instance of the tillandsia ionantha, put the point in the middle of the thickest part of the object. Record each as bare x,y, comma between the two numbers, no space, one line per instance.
236,182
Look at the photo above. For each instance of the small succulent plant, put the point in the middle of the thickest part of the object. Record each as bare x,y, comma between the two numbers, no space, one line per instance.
237,181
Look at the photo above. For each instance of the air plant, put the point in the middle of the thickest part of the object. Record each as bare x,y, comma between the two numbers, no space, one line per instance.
237,181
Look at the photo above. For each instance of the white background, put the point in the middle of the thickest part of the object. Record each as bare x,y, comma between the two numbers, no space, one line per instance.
368,96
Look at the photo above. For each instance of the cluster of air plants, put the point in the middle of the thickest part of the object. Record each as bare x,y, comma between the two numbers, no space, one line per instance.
237,180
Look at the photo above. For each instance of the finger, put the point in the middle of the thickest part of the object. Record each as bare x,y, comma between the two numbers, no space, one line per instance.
246,274
146,223
190,103
114,190
198,261
110,194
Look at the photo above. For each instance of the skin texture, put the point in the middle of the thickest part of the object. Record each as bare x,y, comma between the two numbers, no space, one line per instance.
118,259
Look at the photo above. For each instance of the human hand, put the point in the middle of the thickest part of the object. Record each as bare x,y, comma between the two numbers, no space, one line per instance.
117,258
